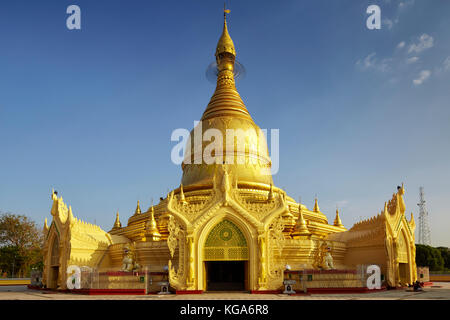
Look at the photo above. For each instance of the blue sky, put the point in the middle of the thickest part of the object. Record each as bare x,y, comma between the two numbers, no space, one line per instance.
90,112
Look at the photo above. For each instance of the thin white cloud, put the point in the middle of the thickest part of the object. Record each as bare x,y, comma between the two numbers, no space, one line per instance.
368,61
423,76
447,64
425,42
412,60
390,23
371,62
444,67
401,45
384,65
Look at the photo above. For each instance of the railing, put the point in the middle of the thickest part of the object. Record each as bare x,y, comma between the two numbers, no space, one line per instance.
133,280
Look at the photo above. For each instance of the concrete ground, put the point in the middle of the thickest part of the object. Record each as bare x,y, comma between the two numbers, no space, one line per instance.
439,291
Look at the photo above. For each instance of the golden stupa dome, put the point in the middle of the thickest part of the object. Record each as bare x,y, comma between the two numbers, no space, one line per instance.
226,117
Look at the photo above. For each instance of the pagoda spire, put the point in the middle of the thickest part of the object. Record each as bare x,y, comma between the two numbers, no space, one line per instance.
226,101
117,223
300,228
138,208
225,43
316,205
151,228
337,220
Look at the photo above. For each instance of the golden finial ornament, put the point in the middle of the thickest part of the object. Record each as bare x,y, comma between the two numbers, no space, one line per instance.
182,197
270,196
225,43
117,223
45,226
151,228
138,208
337,219
316,205
300,228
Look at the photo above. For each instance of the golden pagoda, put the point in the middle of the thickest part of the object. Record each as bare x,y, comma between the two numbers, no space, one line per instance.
228,215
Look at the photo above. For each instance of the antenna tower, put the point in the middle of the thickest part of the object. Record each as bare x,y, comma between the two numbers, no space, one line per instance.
424,228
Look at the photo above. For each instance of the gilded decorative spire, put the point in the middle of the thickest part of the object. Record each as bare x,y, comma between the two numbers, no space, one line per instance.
182,197
300,228
117,223
45,225
225,43
316,206
70,214
226,100
337,220
270,196
138,208
412,222
151,228
385,210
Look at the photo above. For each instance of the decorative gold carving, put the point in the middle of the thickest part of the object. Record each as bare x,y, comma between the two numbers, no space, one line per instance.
258,205
225,242
195,207
191,259
275,246
175,233
177,238
262,280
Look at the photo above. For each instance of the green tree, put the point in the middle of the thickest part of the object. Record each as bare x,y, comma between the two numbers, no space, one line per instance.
445,253
21,244
430,257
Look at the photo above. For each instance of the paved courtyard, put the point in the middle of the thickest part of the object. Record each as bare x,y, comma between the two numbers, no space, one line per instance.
439,291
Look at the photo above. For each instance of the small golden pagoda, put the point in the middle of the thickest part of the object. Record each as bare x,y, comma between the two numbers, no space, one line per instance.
230,216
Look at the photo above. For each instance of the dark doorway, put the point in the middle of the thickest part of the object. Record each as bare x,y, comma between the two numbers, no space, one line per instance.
225,275
53,281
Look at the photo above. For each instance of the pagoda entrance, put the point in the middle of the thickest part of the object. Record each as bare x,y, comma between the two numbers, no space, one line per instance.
226,258
225,275
54,264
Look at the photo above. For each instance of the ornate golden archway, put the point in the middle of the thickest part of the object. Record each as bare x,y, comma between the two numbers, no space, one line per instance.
54,263
403,259
225,242
225,258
